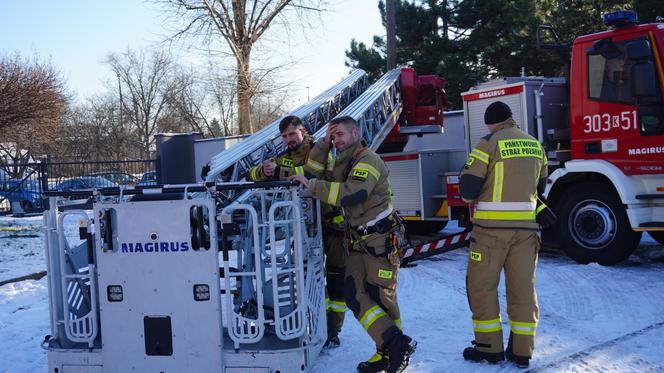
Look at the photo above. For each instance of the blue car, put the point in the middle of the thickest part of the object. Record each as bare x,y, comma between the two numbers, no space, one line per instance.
148,178
85,182
25,192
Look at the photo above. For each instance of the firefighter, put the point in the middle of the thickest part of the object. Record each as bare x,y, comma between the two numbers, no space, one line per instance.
502,177
355,180
298,145
289,163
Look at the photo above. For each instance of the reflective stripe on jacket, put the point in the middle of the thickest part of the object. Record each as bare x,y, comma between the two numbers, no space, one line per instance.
501,177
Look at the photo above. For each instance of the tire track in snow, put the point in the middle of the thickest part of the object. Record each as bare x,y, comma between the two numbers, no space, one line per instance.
587,352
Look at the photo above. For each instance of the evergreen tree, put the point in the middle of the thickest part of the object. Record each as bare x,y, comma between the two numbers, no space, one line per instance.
468,41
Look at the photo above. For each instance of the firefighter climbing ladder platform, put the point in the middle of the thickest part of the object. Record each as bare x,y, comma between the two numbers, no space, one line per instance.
233,164
376,109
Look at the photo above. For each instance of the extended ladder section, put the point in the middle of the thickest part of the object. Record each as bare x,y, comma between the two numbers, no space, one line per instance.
376,110
232,164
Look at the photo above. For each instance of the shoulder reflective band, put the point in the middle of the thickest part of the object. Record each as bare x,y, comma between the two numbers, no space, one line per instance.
498,175
314,165
287,162
504,215
487,326
478,154
523,328
369,168
519,148
333,195
372,314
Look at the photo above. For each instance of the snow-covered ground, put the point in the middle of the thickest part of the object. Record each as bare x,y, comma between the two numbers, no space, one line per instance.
593,318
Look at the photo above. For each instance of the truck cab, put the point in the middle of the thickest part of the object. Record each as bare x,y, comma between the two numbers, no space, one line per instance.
616,96
603,132
611,190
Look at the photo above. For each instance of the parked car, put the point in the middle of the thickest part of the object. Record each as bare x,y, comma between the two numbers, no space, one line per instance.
117,177
85,182
25,192
148,178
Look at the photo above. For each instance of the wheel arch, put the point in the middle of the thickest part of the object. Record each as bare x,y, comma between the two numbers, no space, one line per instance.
563,184
625,187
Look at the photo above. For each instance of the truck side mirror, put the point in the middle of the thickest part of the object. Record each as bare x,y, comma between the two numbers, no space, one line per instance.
549,33
645,87
638,49
644,81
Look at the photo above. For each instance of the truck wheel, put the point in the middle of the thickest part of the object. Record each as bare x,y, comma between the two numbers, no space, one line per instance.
424,227
593,226
658,236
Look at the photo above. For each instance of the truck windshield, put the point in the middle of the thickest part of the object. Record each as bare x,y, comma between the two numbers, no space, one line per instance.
609,75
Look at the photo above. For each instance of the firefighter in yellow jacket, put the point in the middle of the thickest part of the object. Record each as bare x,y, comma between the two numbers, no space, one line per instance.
356,181
290,162
502,177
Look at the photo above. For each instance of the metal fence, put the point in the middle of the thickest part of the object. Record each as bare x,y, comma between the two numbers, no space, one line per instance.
25,188
22,185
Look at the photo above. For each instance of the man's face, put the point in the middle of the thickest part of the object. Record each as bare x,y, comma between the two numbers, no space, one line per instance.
293,136
343,138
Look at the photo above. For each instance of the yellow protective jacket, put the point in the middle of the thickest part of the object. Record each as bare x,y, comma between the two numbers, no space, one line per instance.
502,177
356,180
289,163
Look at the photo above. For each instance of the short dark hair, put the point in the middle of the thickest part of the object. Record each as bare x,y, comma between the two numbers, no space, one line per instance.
290,120
348,121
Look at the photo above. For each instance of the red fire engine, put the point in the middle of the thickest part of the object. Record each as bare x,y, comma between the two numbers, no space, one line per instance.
603,132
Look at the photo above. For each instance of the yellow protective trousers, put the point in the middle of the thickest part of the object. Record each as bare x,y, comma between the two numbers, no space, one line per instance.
371,293
491,252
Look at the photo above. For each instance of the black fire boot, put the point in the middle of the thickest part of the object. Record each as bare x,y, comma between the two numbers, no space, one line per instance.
332,342
399,348
377,363
473,354
519,361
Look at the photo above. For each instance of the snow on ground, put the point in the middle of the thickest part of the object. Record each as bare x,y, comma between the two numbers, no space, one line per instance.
593,318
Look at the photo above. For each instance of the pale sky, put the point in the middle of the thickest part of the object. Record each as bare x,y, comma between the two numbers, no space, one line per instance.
77,35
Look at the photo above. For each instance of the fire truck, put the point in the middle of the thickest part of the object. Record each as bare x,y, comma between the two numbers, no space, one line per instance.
603,132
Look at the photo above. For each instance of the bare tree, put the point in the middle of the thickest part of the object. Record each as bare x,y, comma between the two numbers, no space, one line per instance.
92,131
224,98
32,102
188,103
240,23
146,86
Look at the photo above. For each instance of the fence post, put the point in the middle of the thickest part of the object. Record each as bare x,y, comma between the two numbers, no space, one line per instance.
44,180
